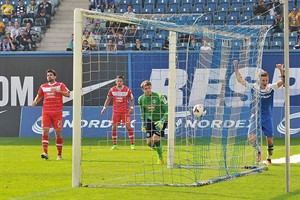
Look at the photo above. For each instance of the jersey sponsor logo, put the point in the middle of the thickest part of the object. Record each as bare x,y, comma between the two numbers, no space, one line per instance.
281,126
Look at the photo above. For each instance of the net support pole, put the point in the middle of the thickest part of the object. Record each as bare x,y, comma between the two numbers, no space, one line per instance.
172,98
77,84
287,95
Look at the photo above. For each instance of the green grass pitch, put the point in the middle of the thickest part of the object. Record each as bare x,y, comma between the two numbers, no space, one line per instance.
24,175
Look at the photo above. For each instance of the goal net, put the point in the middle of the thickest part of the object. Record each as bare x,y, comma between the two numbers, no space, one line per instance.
196,151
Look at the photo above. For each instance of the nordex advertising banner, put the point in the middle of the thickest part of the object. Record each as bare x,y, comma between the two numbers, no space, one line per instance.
96,125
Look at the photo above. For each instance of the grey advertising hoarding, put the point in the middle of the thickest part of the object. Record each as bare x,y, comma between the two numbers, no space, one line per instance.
21,74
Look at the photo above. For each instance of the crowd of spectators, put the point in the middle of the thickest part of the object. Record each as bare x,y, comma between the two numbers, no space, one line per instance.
21,25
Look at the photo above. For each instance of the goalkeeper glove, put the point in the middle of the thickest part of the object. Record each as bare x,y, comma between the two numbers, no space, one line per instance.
159,124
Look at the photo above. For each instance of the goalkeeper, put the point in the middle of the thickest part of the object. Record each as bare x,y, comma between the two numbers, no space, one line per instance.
154,115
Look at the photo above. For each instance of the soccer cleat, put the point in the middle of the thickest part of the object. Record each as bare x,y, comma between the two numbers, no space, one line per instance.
133,147
114,147
160,161
258,157
269,161
44,156
59,158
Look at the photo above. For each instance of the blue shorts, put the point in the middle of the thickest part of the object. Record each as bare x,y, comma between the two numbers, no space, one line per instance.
266,125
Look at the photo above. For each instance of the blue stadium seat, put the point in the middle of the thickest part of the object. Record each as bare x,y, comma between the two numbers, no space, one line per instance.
149,6
293,36
137,4
123,4
270,19
147,11
174,5
278,37
172,10
121,10
139,30
245,20
187,3
156,46
212,5
108,37
232,20
249,3
16,19
129,46
266,45
136,9
162,4
205,20
222,12
197,9
235,12
146,45
219,20
225,4
292,44
159,38
147,39
258,20
159,11
149,2
236,45
182,45
184,10
150,30
276,45
248,11
237,3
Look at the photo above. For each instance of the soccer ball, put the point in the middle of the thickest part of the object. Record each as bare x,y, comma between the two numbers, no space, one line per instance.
199,110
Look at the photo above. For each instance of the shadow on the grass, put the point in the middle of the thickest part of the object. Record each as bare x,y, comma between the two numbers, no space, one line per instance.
287,195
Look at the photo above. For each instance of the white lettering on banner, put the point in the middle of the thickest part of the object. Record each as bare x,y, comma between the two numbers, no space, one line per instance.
205,82
218,124
18,91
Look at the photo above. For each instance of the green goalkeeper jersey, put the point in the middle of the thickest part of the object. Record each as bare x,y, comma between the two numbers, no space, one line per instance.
154,107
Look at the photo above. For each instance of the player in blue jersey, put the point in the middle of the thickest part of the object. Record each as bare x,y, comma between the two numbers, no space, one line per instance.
266,93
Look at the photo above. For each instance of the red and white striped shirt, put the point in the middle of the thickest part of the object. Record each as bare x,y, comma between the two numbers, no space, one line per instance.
53,101
120,98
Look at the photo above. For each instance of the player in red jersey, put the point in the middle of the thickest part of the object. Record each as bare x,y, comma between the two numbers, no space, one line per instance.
53,93
121,95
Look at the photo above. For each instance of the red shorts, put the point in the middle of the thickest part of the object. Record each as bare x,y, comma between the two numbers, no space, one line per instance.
52,119
123,118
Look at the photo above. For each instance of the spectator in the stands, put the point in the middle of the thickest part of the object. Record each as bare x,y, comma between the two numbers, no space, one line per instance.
297,46
24,41
85,46
193,45
2,28
31,33
294,20
71,43
86,36
32,10
20,10
9,27
89,24
138,46
277,25
111,28
184,37
98,5
15,31
44,11
120,41
7,45
131,34
205,46
129,12
261,8
166,44
99,28
111,6
7,10
110,46
275,7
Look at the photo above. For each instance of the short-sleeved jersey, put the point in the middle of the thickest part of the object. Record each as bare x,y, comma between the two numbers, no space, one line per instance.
266,97
53,101
153,107
120,98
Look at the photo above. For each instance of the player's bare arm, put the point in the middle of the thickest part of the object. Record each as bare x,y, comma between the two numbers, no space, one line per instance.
239,77
280,83
106,103
132,107
36,100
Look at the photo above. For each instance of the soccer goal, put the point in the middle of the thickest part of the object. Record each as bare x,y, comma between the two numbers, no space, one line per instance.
197,151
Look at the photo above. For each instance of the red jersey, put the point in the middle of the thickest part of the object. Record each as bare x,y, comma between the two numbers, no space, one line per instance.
53,101
120,98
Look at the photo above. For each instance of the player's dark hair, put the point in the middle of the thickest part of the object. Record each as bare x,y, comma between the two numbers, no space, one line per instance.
51,71
121,77
145,83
